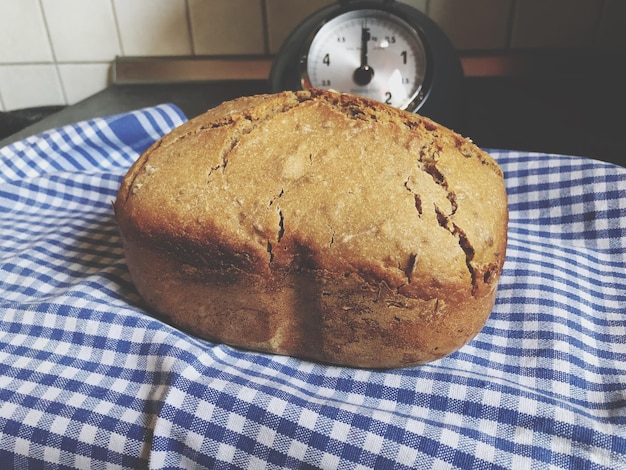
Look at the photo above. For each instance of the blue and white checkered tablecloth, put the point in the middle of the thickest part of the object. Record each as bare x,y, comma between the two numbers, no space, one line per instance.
89,379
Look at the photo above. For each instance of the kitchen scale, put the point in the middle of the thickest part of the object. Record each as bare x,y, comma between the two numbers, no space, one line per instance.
384,50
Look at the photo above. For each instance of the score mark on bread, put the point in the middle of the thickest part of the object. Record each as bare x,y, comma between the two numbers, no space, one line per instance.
319,225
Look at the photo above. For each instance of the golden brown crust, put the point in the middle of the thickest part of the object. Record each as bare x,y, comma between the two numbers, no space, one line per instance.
319,225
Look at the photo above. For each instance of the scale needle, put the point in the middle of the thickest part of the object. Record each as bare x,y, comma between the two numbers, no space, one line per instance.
364,73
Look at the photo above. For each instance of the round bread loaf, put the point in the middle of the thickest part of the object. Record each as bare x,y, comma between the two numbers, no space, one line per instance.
319,225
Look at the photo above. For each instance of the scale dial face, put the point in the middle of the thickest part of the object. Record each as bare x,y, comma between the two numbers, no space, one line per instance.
369,53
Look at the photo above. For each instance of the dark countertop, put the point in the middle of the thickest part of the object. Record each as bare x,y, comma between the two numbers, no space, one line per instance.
192,98
565,115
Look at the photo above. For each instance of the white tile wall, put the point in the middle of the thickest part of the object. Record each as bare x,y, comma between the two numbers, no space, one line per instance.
83,80
227,27
23,36
81,31
25,86
555,23
153,27
479,24
60,51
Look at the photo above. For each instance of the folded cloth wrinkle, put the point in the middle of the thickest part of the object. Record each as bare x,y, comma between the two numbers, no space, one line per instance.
90,378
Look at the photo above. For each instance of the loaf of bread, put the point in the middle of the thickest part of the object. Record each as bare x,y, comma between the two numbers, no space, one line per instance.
318,225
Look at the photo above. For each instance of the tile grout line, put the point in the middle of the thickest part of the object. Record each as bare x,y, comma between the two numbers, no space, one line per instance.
109,78
189,29
117,27
52,51
511,24
266,27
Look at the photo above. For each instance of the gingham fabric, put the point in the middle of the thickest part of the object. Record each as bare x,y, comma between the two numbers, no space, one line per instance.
90,379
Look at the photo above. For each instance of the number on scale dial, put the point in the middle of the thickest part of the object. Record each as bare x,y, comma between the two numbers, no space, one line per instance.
369,53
